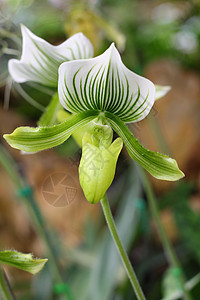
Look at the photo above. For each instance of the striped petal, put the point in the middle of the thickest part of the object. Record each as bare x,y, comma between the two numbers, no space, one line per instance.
105,84
40,60
30,139
158,165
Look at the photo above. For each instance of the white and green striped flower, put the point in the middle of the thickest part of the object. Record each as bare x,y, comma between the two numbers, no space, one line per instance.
101,88
105,84
40,60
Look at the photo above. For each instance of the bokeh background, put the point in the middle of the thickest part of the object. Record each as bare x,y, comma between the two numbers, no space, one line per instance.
159,40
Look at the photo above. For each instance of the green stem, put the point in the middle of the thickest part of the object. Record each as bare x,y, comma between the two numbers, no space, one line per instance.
5,290
120,247
170,253
9,165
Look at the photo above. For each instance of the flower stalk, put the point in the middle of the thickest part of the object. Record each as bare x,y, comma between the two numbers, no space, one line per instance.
122,252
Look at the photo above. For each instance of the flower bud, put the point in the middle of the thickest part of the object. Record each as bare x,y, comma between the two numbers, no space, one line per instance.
98,161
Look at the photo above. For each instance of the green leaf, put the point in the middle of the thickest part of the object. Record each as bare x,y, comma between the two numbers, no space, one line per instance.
22,261
158,165
40,60
30,139
171,284
104,83
49,117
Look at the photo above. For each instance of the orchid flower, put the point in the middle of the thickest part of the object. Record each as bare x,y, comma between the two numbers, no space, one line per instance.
102,95
40,60
105,91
